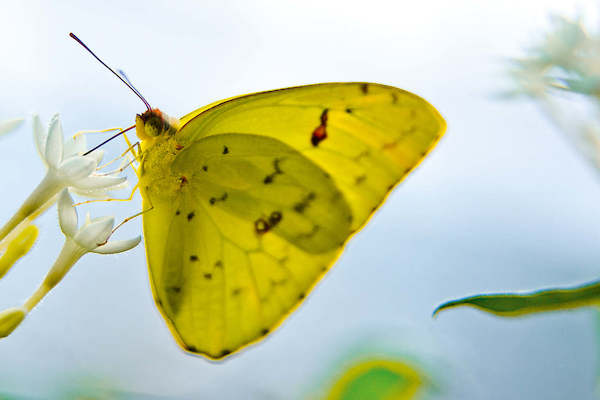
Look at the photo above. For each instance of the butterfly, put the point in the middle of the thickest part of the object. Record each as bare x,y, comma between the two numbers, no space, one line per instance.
249,201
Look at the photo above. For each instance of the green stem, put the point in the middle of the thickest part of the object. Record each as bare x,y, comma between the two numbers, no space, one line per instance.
47,189
69,255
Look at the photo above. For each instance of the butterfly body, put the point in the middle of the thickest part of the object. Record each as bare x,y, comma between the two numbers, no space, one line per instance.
250,200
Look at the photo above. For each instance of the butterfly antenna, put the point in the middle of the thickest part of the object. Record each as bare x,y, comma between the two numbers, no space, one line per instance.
109,139
111,70
124,76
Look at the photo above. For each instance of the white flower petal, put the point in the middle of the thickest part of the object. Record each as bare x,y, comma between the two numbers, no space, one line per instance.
117,246
97,155
54,143
100,193
67,215
10,125
96,232
76,168
98,182
40,136
75,146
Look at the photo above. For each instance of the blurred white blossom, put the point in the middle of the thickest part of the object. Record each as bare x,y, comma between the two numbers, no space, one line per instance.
10,125
564,64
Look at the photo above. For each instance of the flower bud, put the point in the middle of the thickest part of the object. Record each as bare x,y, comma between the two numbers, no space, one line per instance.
17,248
10,319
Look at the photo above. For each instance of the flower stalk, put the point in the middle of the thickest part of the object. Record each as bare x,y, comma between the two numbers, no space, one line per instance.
42,194
69,255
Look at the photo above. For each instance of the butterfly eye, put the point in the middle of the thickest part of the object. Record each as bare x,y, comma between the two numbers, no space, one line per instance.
155,126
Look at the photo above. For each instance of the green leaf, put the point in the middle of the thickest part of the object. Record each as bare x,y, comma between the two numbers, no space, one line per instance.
517,304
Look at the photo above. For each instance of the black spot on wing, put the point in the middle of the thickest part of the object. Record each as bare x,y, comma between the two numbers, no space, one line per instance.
225,353
213,200
359,179
261,226
275,218
300,207
315,229
364,88
193,258
190,216
324,116
277,171
225,150
320,132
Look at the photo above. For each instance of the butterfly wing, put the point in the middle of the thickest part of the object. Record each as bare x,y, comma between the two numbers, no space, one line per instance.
271,187
374,135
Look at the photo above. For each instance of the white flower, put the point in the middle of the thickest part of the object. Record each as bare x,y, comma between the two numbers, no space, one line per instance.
562,75
10,125
91,237
94,234
567,59
66,162
67,168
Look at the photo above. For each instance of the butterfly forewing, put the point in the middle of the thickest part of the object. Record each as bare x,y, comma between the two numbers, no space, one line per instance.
375,134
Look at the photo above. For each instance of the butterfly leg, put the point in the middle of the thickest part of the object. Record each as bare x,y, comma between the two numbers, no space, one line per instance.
129,219
130,148
135,188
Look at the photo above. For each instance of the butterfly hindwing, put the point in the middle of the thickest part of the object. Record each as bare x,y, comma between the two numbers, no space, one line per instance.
252,226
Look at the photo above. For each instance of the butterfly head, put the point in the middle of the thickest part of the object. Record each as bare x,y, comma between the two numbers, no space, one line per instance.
154,123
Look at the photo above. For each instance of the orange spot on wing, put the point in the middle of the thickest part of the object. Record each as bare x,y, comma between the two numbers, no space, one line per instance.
318,135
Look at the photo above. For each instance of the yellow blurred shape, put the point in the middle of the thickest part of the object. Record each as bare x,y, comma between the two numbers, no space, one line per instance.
377,379
17,248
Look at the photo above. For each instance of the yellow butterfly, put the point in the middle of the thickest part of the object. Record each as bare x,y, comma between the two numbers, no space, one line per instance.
249,201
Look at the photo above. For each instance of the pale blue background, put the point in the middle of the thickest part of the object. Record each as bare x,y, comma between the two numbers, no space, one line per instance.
503,203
